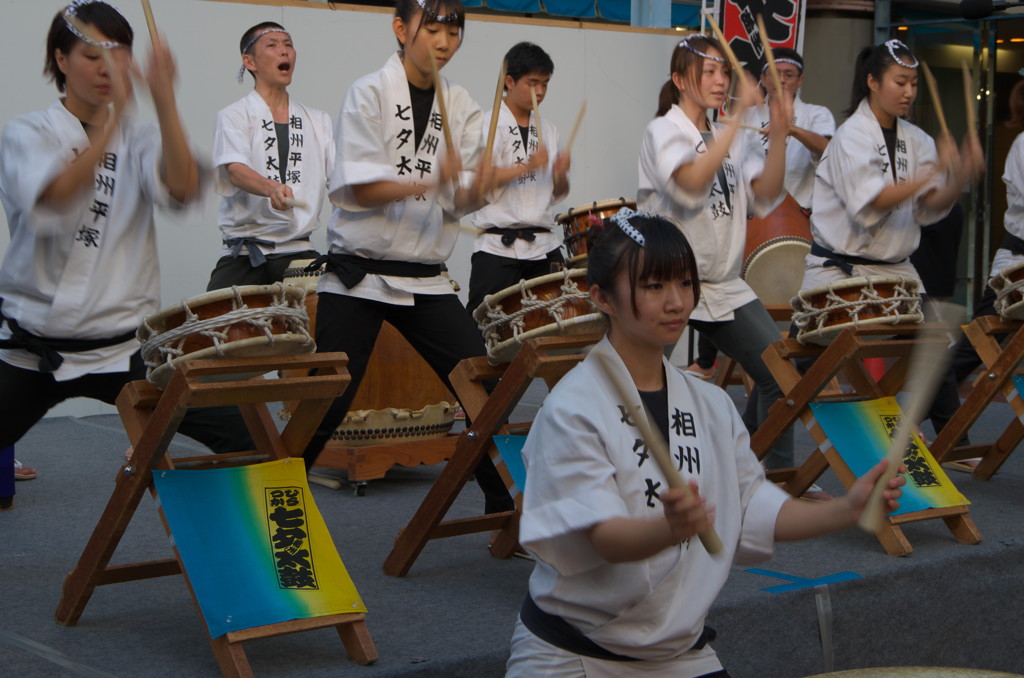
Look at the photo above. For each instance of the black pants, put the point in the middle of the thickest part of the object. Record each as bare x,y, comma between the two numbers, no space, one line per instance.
707,352
965,358
238,271
27,395
491,273
436,326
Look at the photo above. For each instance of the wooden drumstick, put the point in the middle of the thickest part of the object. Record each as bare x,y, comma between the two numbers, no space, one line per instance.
536,117
491,131
933,88
292,202
928,365
576,125
729,54
656,446
769,56
443,111
150,22
970,96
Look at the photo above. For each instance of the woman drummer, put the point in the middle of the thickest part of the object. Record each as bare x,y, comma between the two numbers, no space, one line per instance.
880,180
78,182
706,177
620,587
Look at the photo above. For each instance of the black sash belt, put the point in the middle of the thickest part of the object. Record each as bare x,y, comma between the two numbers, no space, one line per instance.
351,269
509,235
846,262
555,630
1012,243
49,350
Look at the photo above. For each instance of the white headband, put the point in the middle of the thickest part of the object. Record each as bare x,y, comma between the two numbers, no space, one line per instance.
685,42
892,46
440,18
622,217
272,29
72,11
784,60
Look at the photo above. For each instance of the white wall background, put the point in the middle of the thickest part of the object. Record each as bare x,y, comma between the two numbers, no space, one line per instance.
618,72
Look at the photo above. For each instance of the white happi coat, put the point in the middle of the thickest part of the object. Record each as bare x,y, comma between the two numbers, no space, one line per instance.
716,232
375,141
1013,219
245,134
525,201
800,162
852,173
586,464
90,271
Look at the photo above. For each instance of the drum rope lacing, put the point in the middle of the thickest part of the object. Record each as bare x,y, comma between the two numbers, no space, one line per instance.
891,306
164,347
1005,287
517,320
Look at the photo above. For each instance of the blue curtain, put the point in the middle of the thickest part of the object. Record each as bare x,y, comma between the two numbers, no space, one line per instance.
577,8
522,6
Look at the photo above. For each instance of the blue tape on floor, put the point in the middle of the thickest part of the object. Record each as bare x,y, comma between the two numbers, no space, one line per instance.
801,582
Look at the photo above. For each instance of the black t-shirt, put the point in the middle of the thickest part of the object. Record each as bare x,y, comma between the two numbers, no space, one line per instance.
656,404
422,102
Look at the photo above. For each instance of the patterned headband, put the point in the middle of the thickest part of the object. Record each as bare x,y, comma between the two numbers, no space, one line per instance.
72,11
892,46
685,43
621,219
433,16
784,60
272,29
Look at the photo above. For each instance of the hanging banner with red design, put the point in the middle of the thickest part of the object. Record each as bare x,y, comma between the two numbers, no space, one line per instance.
783,19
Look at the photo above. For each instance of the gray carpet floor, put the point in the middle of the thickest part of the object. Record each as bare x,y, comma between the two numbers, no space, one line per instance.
946,604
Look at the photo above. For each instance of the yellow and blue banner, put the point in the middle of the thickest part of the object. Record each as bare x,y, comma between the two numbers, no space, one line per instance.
861,433
256,549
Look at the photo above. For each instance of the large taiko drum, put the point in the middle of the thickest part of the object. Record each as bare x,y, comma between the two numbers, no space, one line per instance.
553,304
776,247
241,321
1008,284
821,313
400,398
578,221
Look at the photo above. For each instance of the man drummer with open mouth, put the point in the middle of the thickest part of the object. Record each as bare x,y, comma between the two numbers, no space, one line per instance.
272,156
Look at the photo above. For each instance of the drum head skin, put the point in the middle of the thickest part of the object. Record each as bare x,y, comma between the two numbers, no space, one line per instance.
775,270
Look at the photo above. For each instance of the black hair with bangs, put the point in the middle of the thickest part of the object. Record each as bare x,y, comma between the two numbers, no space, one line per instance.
104,17
451,13
665,255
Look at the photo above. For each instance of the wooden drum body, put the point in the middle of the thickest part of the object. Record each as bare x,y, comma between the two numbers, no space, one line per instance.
250,320
578,221
821,313
1008,284
553,304
775,252
400,398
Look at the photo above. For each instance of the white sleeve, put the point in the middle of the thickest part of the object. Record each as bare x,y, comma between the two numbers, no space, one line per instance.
822,122
31,157
760,499
665,149
927,161
753,155
856,170
232,142
571,488
360,156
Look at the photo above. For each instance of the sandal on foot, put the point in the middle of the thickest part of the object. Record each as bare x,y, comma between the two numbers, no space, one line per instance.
22,472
